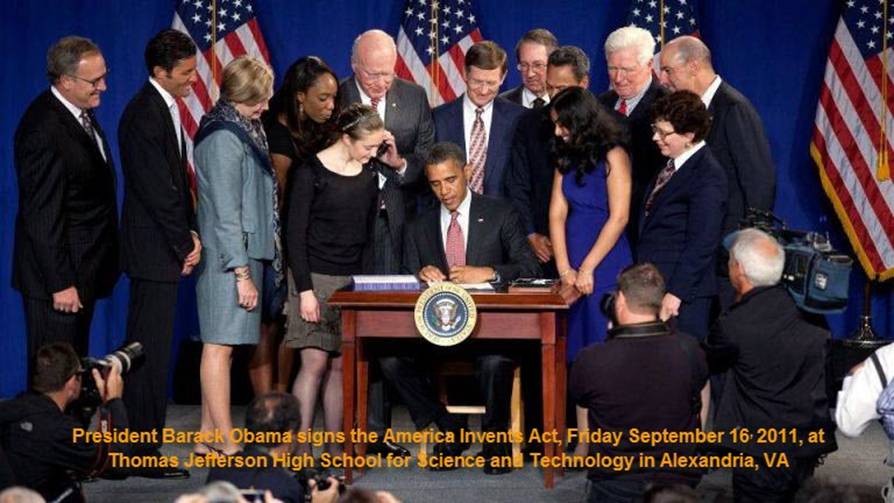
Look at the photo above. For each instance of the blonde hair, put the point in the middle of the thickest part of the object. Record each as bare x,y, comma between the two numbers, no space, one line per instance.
247,80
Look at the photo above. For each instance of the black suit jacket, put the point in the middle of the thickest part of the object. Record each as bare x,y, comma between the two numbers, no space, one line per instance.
67,223
514,95
777,364
646,160
391,196
158,213
495,240
681,234
738,141
529,177
449,127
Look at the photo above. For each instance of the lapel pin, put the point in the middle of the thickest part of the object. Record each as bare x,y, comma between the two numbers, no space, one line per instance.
480,220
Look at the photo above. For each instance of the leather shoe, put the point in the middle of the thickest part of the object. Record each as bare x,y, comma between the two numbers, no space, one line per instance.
385,448
495,456
445,450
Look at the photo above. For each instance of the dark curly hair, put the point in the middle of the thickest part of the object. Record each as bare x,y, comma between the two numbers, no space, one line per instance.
686,113
310,136
594,131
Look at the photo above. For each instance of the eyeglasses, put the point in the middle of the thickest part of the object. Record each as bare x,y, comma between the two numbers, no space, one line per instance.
487,85
93,83
367,75
537,67
662,134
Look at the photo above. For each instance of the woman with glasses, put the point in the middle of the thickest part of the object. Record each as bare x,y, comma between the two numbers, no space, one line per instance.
299,123
682,217
331,211
588,213
238,221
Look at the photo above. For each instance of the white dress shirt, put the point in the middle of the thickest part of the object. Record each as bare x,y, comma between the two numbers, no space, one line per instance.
856,409
682,158
366,100
528,98
469,119
171,103
711,91
634,101
463,220
77,115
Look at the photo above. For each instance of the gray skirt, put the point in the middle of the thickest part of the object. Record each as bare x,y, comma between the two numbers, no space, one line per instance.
326,334
221,319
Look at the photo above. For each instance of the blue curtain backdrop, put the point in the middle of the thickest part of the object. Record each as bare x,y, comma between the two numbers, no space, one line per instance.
774,52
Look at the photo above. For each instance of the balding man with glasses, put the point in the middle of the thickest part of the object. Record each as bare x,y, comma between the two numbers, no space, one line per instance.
66,240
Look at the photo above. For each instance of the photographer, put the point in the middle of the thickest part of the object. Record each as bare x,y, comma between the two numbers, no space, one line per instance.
776,361
644,376
36,432
269,414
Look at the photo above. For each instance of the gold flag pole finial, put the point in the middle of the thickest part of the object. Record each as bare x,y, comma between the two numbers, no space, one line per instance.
883,171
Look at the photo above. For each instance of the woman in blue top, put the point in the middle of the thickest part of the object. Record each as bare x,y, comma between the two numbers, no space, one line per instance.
588,212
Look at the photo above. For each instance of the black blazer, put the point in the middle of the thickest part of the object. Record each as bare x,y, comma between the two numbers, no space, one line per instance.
529,177
158,213
514,95
682,232
392,195
739,143
646,160
777,364
67,223
495,240
449,127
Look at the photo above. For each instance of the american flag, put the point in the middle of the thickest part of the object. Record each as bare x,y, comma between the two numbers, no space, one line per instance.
665,20
431,45
853,124
231,26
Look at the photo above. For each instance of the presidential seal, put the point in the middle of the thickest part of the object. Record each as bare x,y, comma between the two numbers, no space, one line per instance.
445,314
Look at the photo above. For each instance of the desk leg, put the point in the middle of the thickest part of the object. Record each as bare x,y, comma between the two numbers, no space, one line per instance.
362,394
349,373
548,357
561,383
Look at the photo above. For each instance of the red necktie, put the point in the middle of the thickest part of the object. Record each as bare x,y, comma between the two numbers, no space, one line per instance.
374,102
622,108
477,152
456,247
660,181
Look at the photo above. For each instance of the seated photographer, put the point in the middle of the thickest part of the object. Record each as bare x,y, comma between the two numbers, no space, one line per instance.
36,432
271,413
644,376
776,360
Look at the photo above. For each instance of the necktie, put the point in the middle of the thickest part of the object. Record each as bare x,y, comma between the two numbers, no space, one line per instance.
660,181
374,102
622,108
181,141
537,103
87,124
477,152
456,247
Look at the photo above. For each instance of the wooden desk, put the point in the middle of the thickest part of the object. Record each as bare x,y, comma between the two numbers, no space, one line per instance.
510,316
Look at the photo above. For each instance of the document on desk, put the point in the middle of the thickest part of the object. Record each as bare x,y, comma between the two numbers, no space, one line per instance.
477,287
385,282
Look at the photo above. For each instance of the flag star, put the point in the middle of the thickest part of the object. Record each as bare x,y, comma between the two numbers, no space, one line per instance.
676,30
878,15
429,51
435,5
692,20
221,27
208,37
657,39
208,23
459,13
471,18
653,4
198,4
861,23
419,31
636,12
421,16
433,35
422,3
891,19
446,24
235,16
238,3
209,7
682,2
667,9
871,44
874,29
444,39
447,10
889,35
409,12
680,14
458,28
864,9
223,13
461,2
248,7
197,18
664,24
850,3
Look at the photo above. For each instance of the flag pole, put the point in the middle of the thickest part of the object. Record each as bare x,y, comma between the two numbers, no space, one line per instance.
883,173
864,336
433,44
661,23
213,88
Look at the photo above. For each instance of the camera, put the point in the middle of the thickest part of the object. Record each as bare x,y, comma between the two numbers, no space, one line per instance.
607,307
90,398
815,274
321,477
252,495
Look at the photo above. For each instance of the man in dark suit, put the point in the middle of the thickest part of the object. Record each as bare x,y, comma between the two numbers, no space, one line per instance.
467,239
737,136
531,55
529,178
66,239
160,242
777,370
628,56
402,105
478,121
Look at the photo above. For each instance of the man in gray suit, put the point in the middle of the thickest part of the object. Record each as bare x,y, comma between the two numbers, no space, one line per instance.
404,108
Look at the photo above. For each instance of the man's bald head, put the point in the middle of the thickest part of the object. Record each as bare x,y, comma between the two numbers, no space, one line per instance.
688,48
373,57
686,65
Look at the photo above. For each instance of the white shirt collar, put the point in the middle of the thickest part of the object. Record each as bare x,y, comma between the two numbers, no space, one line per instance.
528,98
165,95
682,158
471,107
632,102
711,91
71,108
366,100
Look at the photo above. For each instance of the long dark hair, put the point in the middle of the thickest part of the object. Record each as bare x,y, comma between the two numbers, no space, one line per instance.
593,131
309,136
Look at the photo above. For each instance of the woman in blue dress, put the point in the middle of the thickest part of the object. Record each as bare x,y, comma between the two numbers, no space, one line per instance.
588,212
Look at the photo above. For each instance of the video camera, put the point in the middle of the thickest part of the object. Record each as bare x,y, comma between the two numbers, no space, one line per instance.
321,477
86,404
815,274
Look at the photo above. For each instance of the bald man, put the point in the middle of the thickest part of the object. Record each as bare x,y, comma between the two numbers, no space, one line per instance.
737,136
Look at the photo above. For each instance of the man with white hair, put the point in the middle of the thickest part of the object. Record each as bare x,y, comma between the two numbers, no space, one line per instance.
776,381
628,57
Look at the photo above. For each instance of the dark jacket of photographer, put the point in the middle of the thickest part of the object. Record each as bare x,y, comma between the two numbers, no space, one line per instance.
777,378
279,481
644,376
37,438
